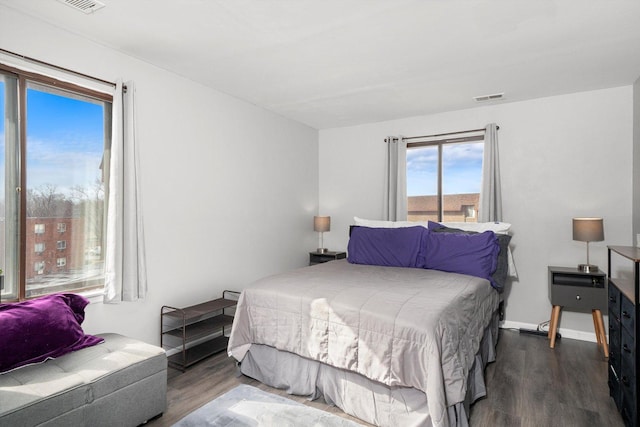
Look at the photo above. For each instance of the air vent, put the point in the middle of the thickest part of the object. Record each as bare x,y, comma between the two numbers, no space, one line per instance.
86,6
493,97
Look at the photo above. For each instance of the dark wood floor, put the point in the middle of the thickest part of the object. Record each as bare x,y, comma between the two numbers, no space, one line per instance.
529,385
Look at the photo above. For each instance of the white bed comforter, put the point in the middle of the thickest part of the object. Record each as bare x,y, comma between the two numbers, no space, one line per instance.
400,326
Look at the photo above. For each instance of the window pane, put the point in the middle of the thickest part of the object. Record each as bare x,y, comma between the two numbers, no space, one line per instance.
2,183
461,176
422,183
65,190
461,180
9,175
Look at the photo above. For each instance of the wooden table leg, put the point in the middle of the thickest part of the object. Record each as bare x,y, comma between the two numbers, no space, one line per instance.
596,327
603,337
553,326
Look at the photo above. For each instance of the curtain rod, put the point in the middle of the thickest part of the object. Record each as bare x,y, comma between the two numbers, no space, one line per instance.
56,67
442,134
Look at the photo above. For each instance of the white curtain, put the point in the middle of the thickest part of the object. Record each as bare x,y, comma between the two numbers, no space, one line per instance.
490,193
125,266
395,185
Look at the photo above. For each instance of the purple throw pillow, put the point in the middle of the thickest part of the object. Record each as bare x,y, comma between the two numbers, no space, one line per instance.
392,247
42,328
472,254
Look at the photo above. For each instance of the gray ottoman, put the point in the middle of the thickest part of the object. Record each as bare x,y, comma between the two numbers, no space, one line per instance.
121,382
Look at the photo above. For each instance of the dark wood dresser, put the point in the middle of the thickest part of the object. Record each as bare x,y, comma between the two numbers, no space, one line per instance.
624,335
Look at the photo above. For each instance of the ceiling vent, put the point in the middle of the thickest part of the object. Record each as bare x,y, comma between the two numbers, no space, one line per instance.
493,97
86,6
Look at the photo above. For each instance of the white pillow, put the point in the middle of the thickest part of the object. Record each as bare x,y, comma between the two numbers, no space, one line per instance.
480,227
374,223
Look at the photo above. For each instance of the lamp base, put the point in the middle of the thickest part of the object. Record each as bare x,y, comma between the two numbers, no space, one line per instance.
588,268
322,250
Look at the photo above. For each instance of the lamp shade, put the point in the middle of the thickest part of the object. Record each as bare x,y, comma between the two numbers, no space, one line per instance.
321,223
588,229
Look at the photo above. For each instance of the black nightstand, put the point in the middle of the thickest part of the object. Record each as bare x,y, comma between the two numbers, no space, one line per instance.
319,258
576,290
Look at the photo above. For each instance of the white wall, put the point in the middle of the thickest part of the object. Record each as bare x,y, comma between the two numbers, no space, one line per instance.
229,189
561,157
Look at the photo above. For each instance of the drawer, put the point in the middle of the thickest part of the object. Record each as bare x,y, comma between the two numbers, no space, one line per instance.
628,353
627,315
614,302
627,375
614,388
614,346
628,411
578,298
628,401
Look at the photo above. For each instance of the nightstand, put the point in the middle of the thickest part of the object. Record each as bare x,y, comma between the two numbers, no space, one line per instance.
319,258
576,290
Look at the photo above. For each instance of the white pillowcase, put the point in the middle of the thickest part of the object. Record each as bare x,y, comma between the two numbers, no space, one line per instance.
374,223
480,227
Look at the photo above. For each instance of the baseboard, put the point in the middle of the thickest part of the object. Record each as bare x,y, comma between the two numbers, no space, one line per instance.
566,333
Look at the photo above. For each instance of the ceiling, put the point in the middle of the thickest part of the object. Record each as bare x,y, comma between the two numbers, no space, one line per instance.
331,63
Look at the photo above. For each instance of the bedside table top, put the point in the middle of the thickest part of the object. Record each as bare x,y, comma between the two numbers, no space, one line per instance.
328,253
576,271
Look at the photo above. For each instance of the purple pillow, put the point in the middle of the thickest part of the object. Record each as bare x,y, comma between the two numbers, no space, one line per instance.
392,247
42,328
472,254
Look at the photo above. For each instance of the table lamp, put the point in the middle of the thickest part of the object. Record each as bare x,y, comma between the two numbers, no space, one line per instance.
321,224
588,230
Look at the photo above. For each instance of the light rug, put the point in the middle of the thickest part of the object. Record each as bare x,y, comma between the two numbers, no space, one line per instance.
249,406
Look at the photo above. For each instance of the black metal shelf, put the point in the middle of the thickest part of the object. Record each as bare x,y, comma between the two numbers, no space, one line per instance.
196,331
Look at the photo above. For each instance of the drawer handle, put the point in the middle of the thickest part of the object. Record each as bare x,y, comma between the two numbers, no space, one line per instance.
612,299
578,297
626,348
625,314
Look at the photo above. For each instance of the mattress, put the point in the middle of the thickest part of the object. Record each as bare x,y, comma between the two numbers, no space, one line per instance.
399,327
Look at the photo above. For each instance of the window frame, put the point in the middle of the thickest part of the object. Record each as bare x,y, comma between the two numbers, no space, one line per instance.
20,262
439,142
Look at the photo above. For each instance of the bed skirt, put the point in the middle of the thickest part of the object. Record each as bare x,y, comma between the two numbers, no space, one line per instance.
368,400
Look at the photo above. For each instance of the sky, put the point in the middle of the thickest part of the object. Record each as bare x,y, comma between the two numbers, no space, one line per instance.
461,164
64,140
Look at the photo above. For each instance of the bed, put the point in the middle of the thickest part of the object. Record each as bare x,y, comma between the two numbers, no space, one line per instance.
383,335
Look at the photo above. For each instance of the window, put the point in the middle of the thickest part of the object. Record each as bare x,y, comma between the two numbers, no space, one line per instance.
469,211
38,267
444,177
54,144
